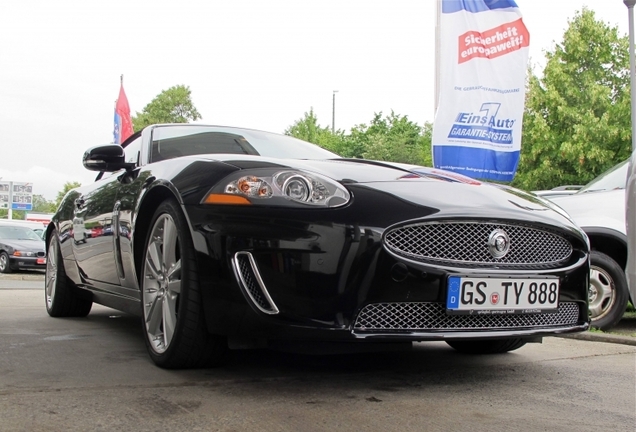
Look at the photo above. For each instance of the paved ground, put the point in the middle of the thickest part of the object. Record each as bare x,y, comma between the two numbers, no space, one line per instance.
93,373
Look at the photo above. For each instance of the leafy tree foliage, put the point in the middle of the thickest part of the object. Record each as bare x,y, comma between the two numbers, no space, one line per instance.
170,106
577,115
308,129
42,205
392,138
67,187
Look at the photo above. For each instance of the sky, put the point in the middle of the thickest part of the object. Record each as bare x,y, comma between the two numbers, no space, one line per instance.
249,63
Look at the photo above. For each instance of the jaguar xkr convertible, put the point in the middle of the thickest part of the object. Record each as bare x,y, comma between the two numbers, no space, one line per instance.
221,237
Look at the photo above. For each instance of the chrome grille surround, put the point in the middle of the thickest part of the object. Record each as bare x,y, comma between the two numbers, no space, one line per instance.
248,276
465,244
432,316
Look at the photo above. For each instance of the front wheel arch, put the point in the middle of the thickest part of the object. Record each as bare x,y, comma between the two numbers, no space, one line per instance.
150,202
173,321
609,242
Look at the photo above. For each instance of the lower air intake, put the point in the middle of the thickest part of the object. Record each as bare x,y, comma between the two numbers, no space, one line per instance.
252,283
409,317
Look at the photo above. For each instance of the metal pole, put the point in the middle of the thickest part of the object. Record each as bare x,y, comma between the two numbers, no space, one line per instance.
333,112
10,213
632,61
438,20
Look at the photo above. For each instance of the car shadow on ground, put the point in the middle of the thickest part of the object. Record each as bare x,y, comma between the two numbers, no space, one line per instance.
431,362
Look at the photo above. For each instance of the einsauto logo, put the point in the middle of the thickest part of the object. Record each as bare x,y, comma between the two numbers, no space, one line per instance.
483,126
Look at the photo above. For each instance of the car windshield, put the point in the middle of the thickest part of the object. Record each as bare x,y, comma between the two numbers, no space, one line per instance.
184,140
18,233
614,178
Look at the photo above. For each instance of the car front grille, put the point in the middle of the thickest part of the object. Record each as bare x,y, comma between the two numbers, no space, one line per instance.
465,244
422,316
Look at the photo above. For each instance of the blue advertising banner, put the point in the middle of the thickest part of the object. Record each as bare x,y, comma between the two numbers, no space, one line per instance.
482,72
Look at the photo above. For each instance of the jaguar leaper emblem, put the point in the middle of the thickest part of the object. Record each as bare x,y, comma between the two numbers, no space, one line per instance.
498,243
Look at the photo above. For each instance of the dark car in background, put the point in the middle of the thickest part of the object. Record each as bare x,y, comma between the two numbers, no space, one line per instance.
237,238
21,248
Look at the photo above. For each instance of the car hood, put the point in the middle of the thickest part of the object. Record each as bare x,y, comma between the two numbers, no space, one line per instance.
604,209
453,195
349,170
25,245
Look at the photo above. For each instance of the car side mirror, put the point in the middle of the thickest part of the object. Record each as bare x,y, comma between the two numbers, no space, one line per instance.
109,157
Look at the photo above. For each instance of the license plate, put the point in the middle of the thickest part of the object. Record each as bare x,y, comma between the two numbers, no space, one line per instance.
496,295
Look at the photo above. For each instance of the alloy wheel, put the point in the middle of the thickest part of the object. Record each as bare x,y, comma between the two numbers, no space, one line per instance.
601,293
51,273
162,283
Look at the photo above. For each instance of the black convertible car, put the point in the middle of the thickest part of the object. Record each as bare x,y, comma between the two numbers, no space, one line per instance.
223,237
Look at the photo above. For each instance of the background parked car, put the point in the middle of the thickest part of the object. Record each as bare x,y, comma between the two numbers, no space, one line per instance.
20,249
630,225
599,209
38,227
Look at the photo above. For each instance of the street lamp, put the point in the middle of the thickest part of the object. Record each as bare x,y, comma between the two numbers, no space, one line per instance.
333,112
632,61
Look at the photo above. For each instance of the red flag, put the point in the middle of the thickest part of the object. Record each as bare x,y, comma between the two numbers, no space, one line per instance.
123,123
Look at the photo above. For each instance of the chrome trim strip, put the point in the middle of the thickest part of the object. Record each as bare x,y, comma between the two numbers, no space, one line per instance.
235,265
451,335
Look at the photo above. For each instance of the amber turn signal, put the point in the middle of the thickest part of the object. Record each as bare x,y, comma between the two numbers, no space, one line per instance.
226,199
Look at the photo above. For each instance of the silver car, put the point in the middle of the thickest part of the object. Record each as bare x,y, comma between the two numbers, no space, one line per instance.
599,209
630,225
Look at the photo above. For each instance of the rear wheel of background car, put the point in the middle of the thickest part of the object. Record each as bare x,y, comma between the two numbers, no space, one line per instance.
495,346
5,266
608,292
173,319
59,293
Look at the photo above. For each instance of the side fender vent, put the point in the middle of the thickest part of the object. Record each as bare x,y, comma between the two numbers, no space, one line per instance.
250,280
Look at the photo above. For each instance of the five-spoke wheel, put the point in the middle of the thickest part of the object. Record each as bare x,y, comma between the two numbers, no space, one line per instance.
172,310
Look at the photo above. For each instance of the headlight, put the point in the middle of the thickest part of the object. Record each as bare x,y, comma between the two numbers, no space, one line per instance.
278,188
23,254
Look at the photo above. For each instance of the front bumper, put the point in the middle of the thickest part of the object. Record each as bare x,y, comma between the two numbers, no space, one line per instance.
18,263
277,274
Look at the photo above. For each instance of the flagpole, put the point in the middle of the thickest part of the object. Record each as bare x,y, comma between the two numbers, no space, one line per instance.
437,54
632,67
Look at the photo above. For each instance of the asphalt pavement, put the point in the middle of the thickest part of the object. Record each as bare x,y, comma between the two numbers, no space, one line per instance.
624,333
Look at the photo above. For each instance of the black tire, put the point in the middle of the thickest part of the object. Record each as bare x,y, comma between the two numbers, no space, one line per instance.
5,263
608,292
60,295
487,346
173,319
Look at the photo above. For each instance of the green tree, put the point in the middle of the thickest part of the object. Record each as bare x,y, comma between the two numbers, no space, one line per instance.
67,187
170,106
577,115
41,205
392,138
308,129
